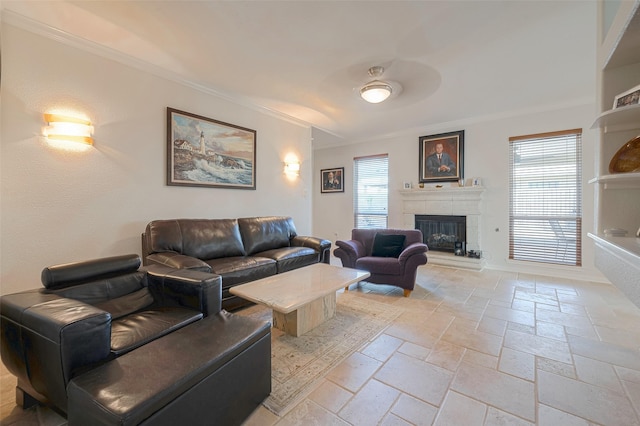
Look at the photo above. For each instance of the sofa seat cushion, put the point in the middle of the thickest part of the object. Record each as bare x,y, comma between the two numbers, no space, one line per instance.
242,269
137,329
289,258
379,265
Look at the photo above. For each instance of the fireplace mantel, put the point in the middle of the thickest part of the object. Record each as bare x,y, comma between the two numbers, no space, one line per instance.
461,201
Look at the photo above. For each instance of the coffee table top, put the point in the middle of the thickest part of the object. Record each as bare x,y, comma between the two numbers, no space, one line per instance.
288,291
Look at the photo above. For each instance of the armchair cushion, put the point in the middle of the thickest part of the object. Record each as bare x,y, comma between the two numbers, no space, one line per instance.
387,245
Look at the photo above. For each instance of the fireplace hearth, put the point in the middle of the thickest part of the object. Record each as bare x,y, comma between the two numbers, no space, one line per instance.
442,232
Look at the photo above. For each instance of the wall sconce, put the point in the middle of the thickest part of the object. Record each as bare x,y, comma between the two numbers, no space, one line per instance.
69,129
292,168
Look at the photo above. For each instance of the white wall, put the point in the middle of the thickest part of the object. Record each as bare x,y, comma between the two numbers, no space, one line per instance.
486,155
57,206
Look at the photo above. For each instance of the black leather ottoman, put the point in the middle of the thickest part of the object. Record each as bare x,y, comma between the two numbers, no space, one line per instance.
214,371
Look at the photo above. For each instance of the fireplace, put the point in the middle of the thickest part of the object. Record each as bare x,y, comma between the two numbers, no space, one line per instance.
442,232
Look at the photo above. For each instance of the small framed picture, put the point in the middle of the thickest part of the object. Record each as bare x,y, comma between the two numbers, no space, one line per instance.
407,185
630,97
332,180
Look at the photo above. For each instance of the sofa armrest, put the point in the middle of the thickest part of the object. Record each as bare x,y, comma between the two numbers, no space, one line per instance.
412,249
46,343
349,251
201,291
323,247
177,261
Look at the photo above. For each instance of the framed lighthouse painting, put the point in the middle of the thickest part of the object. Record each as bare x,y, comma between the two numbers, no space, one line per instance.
209,153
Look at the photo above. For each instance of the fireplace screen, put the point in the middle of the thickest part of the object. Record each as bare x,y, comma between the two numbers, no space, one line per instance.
440,232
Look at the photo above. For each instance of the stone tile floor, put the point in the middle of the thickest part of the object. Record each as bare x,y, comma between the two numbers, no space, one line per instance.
472,348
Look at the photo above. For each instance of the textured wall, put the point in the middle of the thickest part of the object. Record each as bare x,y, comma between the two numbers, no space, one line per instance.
59,206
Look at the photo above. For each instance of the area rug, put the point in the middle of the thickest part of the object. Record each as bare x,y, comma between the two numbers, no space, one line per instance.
299,363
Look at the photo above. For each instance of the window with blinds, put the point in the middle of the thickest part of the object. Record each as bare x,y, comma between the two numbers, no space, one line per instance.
545,198
371,191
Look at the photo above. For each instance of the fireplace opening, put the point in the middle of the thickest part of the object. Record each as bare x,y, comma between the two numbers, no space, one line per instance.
441,233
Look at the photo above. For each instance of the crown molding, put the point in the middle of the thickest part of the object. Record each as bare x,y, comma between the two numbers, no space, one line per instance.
36,27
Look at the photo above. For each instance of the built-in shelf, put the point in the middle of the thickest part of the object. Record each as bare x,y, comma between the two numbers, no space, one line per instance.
619,119
620,180
629,246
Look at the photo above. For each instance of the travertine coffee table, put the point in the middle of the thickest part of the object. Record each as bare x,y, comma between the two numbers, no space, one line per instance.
303,298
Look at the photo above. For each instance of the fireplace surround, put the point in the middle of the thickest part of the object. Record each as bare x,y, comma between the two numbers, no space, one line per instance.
450,201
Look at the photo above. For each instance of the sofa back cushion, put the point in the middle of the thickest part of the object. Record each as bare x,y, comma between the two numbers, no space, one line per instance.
266,233
201,238
367,236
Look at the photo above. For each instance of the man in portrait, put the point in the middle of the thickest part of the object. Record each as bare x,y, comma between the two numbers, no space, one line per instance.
332,182
440,163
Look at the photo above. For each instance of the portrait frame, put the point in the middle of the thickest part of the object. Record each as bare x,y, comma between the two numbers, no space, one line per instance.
204,152
433,170
338,174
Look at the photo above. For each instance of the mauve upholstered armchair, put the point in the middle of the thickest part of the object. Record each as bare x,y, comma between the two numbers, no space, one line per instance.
391,256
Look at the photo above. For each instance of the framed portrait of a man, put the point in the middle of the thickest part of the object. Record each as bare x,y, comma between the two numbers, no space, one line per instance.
332,180
442,157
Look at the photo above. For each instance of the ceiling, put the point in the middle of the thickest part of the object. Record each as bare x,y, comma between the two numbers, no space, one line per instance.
455,60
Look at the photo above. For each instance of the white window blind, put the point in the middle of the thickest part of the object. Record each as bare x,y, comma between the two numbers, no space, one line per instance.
545,198
371,191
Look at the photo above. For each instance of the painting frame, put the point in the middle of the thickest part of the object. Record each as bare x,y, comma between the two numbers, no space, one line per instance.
630,97
222,155
434,169
326,185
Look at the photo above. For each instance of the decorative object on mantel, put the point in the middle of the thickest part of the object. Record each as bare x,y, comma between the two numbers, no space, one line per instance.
474,254
630,97
477,181
615,232
627,159
638,233
441,157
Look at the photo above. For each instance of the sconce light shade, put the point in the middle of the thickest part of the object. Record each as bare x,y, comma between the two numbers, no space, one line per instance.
375,91
292,168
68,129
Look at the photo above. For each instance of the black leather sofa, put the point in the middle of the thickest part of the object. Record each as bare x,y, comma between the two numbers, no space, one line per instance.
239,250
101,315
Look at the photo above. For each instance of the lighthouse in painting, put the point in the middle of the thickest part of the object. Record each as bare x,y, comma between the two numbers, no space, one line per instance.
202,148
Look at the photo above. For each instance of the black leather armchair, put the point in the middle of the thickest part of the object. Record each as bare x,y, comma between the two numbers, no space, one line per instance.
91,312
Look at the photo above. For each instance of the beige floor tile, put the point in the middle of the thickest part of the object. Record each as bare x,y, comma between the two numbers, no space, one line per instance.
479,358
632,389
512,315
628,374
546,299
393,420
460,410
508,393
591,402
330,396
497,417
606,352
446,355
626,338
414,411
556,367
550,330
474,339
370,405
549,416
382,347
565,319
261,417
416,378
537,345
597,373
354,371
415,351
492,326
516,363
523,305
308,413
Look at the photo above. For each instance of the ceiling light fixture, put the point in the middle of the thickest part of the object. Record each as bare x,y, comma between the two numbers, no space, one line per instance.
376,91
